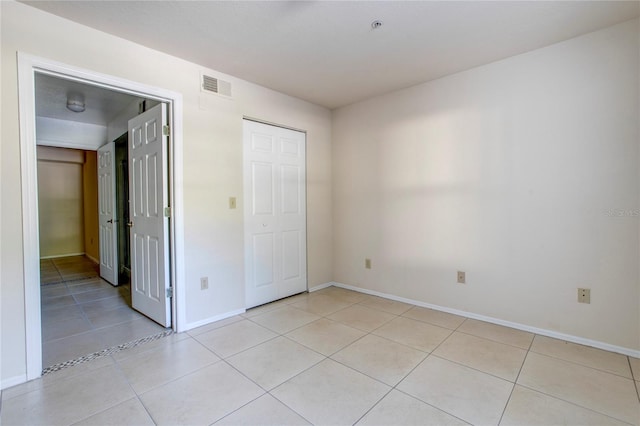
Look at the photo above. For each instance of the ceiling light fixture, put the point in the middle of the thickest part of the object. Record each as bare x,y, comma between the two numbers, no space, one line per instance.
376,24
75,102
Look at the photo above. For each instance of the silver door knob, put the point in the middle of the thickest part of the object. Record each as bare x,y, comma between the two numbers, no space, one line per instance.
129,224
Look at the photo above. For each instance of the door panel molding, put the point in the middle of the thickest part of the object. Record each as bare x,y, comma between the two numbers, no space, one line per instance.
275,193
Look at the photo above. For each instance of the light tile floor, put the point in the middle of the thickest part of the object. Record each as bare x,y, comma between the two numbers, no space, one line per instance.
83,314
336,357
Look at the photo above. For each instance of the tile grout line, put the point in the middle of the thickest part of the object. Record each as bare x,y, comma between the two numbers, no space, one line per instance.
515,382
633,377
573,403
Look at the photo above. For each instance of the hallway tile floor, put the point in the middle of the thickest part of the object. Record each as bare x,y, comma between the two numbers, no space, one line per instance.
337,357
82,313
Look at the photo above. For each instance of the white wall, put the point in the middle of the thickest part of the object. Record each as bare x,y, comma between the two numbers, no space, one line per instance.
212,164
509,172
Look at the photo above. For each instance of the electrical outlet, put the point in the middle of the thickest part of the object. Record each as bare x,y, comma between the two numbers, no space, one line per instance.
232,202
462,277
204,283
584,295
367,263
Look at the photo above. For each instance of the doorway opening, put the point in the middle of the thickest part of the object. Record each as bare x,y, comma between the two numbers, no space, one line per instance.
29,67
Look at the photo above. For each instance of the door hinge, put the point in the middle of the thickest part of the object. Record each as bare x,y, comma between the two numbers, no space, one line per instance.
169,292
167,212
165,130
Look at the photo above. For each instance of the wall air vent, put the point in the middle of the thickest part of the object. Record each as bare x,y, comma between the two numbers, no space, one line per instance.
214,85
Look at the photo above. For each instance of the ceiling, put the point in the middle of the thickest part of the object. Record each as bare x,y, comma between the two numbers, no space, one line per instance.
101,105
327,52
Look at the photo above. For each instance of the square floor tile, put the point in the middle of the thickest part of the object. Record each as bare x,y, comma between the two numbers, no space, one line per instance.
320,304
380,358
51,378
398,408
271,363
416,334
325,336
485,355
62,313
387,305
268,307
67,348
150,369
590,388
59,329
215,325
468,394
148,346
589,357
441,319
57,302
70,400
498,333
528,407
127,332
54,290
330,394
200,398
101,319
285,319
90,296
130,412
361,317
264,411
234,338
106,304
342,294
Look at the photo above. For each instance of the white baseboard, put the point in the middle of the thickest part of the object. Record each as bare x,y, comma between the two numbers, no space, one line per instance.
60,256
13,381
321,286
196,324
541,331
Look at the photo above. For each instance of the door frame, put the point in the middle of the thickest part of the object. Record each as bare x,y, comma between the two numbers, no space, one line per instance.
28,66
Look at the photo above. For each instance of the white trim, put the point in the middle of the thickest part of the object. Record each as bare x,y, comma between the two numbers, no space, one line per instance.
321,286
213,319
28,65
13,381
517,326
70,134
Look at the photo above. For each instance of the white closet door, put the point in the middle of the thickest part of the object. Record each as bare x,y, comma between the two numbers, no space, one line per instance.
274,213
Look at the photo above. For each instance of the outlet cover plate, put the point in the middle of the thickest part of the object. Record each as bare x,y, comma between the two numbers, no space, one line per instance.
204,283
584,295
462,277
367,263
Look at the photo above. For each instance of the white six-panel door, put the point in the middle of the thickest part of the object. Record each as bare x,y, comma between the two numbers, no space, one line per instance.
274,212
107,214
149,227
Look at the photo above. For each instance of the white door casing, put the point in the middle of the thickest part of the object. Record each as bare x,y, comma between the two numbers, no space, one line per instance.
106,213
149,227
275,212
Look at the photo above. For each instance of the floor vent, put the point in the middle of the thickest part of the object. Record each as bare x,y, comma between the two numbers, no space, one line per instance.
214,85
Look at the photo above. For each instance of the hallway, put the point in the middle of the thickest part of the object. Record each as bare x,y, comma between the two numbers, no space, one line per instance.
83,314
